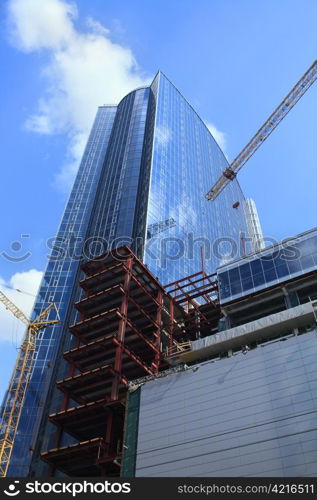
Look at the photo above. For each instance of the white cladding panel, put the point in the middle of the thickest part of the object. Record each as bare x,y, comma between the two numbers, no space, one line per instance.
248,415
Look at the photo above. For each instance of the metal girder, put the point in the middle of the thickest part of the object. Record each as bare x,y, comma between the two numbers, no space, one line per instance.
267,128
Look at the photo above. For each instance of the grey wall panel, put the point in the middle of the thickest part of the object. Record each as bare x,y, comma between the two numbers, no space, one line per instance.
248,415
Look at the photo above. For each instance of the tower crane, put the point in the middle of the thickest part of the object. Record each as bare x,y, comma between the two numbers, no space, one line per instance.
230,173
11,411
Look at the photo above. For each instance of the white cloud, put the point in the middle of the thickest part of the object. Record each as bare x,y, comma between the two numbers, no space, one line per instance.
220,137
84,69
38,24
225,259
163,135
12,329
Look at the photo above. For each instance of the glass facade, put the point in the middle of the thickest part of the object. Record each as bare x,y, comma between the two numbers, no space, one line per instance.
141,182
185,160
116,200
274,265
59,286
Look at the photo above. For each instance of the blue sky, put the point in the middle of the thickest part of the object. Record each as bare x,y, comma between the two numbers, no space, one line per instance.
234,60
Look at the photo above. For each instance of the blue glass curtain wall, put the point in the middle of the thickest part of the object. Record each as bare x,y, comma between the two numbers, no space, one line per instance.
275,265
185,161
57,286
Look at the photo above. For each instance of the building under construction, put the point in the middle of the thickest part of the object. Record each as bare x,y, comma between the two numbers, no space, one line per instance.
174,361
141,183
212,375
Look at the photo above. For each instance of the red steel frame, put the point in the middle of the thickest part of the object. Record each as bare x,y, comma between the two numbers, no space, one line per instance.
196,285
198,294
126,333
118,338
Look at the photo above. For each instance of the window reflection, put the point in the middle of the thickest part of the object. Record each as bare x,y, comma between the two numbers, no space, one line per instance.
263,271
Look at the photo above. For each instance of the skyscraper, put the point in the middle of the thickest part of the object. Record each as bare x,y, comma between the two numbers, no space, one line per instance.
254,225
141,181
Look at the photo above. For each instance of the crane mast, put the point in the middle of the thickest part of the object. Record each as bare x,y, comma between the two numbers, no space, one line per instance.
11,410
267,128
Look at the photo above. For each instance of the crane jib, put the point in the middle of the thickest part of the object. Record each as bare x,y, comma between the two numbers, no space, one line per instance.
262,134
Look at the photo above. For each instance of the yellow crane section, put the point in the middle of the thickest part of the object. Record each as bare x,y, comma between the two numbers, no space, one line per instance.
267,128
12,408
